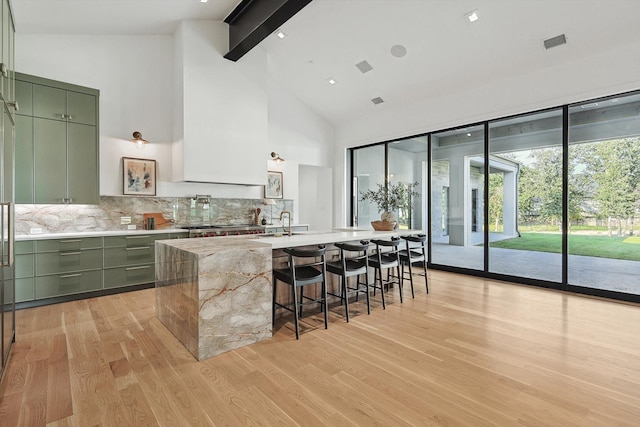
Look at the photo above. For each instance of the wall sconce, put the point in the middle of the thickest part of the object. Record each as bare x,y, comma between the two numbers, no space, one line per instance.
276,157
138,140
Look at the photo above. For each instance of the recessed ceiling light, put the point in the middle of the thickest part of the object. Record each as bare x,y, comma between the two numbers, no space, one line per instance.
281,34
468,134
472,16
203,1
331,81
377,100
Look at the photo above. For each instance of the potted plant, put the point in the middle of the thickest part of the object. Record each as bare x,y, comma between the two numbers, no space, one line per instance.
389,199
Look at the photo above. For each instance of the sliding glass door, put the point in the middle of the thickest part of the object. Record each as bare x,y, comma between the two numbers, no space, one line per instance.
457,197
604,233
550,197
525,196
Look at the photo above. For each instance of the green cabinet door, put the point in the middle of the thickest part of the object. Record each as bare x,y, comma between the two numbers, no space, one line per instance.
24,96
49,102
50,151
81,108
82,155
24,159
8,157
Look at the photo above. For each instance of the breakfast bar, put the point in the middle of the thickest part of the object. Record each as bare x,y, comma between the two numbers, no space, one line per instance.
215,293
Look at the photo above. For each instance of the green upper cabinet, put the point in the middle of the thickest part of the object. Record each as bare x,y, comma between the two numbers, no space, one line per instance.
24,96
59,104
7,57
57,132
24,150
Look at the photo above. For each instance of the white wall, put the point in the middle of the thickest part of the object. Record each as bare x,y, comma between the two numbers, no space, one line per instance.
300,136
608,73
135,76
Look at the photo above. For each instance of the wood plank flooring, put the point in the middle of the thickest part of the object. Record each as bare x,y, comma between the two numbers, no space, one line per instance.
472,352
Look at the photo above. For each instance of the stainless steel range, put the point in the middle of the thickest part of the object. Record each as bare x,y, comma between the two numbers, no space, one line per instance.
222,230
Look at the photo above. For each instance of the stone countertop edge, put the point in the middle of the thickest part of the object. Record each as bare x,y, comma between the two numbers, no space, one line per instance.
211,245
44,236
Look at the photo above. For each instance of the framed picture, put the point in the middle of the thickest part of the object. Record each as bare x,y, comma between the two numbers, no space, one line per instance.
273,189
139,176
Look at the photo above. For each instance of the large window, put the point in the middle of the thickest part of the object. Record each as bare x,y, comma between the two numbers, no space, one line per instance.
604,195
550,197
525,196
457,174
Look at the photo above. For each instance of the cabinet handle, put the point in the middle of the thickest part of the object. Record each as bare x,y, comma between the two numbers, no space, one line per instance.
3,70
142,267
69,117
137,237
70,241
138,248
70,253
68,276
63,116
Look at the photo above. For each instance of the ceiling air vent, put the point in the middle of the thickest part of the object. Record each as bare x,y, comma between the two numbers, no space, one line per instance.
377,100
555,41
364,66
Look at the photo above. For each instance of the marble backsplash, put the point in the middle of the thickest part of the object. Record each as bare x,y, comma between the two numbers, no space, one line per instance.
106,216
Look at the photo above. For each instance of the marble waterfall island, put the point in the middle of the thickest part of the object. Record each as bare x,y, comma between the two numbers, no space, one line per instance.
214,294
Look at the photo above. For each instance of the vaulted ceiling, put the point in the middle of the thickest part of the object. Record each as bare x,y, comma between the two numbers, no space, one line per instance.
445,53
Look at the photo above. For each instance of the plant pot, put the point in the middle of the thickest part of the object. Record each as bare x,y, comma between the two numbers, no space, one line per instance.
383,225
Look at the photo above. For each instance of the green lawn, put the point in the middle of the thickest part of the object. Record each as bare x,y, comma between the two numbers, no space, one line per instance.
597,246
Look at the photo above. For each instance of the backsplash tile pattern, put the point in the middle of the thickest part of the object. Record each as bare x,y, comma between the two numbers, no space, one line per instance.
106,216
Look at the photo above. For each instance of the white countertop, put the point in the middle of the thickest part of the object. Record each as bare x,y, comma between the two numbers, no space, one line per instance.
210,245
27,237
306,238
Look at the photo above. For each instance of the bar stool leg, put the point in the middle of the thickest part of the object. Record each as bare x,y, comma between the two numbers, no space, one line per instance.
324,302
399,281
295,310
345,297
273,302
366,284
410,277
426,280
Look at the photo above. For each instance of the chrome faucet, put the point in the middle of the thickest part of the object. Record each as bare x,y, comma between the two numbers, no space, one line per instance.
289,218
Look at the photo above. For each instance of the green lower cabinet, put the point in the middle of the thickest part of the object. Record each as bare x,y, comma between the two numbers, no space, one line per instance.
128,276
25,289
68,284
114,257
66,262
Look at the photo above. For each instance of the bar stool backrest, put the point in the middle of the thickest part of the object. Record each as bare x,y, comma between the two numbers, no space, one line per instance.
418,238
392,253
354,256
295,253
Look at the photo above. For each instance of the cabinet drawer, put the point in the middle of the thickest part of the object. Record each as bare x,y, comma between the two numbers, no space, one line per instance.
24,247
25,290
66,284
126,276
115,257
70,244
128,241
63,262
24,265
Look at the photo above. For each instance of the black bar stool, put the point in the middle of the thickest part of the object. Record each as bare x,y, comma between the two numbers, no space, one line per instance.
382,260
353,262
414,254
300,273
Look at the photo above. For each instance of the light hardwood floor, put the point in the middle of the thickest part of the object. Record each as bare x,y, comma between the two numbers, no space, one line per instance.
472,352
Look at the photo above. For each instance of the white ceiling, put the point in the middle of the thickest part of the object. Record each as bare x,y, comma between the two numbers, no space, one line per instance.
445,53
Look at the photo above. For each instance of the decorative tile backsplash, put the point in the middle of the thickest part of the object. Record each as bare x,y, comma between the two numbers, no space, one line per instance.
107,215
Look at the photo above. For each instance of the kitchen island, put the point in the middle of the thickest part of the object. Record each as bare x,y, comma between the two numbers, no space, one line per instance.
215,293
